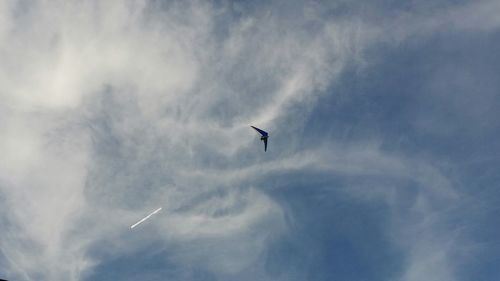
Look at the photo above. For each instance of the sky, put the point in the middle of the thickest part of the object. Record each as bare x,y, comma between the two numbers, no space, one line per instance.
383,152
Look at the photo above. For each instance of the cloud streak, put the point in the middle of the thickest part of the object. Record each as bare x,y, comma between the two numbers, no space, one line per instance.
109,108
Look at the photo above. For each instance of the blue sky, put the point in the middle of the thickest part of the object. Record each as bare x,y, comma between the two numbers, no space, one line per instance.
382,159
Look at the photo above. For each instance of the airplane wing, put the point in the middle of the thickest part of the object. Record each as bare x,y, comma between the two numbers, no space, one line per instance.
262,132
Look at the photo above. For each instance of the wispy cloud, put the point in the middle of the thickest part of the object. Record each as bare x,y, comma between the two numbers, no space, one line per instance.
107,107
111,108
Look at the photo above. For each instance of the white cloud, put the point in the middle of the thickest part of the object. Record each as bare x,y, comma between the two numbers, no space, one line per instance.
111,109
108,107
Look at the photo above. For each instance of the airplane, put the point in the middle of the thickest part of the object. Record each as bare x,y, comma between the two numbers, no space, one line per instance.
264,136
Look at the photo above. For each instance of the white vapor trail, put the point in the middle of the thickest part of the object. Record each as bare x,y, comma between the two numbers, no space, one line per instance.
145,218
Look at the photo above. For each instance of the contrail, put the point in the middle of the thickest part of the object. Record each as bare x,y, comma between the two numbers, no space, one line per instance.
145,218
